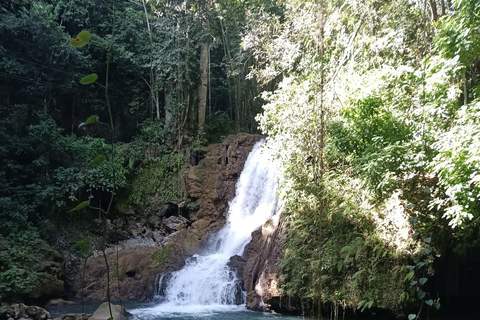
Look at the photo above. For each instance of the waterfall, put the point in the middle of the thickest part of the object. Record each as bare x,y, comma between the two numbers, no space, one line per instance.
206,280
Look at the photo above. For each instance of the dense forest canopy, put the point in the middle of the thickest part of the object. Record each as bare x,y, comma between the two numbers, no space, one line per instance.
372,108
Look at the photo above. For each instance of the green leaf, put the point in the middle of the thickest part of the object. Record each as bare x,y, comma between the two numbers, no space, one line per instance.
412,283
410,275
81,206
429,302
80,40
111,318
91,119
98,160
415,234
436,304
81,244
423,280
428,240
411,267
420,264
428,250
339,265
421,295
411,316
91,78
320,252
369,304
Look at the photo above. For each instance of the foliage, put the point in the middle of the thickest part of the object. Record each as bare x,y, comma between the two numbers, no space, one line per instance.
20,270
162,256
372,115
160,177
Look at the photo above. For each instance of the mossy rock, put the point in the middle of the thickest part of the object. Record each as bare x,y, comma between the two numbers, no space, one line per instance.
162,256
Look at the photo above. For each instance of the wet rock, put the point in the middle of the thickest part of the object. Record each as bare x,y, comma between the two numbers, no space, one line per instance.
21,311
261,273
103,312
237,264
175,223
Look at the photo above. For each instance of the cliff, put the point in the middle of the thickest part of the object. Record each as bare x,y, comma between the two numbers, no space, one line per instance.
174,232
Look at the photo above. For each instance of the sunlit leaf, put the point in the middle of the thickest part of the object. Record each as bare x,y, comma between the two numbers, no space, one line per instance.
81,244
98,160
81,206
410,275
91,119
91,78
80,40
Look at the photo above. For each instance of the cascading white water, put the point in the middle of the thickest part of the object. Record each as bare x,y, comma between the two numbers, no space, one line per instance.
206,281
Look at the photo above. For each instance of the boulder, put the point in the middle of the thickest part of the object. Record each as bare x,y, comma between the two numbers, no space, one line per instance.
261,273
103,312
21,311
174,223
237,264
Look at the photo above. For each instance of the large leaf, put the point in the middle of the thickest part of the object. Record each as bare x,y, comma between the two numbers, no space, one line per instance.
81,39
81,206
421,295
98,160
410,275
91,78
339,265
91,119
81,244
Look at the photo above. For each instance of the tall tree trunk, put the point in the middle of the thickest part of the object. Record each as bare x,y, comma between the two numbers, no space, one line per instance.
153,73
203,86
433,5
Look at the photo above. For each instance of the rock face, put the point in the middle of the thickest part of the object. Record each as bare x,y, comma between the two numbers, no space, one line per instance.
161,244
261,274
103,312
21,311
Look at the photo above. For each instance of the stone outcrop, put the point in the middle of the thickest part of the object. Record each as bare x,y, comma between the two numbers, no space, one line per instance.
261,274
21,311
174,232
103,312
